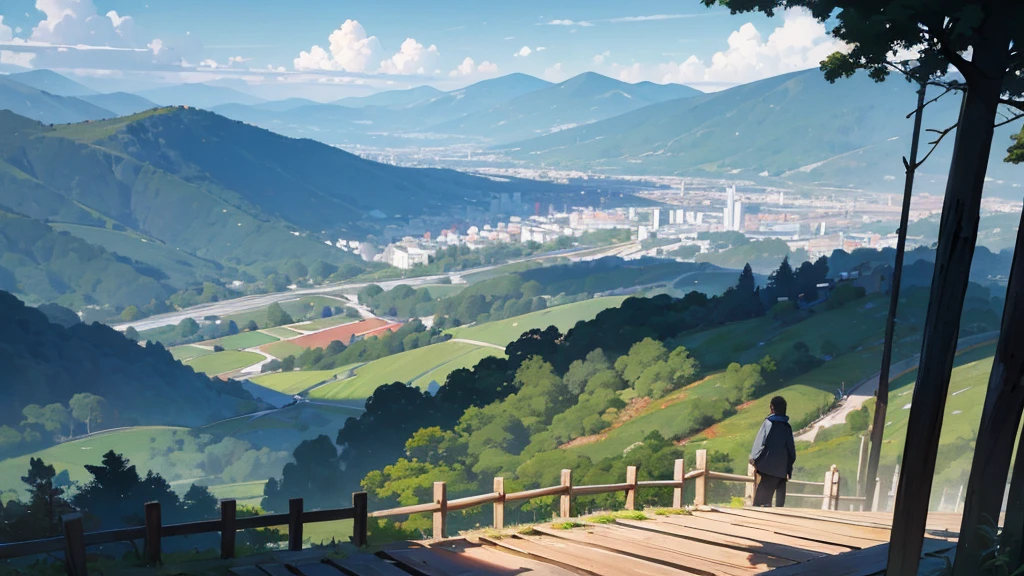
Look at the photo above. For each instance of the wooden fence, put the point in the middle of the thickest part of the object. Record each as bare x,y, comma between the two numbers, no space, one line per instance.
75,540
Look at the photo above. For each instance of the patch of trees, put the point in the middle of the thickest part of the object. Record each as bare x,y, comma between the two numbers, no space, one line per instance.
410,336
103,378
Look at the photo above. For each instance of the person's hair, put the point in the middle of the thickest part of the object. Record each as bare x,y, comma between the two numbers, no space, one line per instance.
778,405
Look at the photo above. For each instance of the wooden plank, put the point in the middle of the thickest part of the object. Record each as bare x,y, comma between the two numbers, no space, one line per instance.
713,549
830,526
793,553
314,569
755,534
592,561
865,562
366,565
506,563
789,530
274,570
246,571
705,559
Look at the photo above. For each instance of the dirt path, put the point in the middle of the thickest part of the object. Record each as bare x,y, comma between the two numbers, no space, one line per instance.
478,343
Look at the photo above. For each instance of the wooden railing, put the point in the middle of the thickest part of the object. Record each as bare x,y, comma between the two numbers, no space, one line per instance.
75,539
565,490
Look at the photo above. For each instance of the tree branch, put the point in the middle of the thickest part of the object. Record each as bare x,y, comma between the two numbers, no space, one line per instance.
1009,120
1019,105
949,88
964,66
935,143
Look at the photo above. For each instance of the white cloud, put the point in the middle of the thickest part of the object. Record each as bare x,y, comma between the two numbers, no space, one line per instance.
6,35
650,18
524,52
20,59
510,37
600,58
582,23
800,43
554,73
541,48
469,68
351,50
412,58
78,22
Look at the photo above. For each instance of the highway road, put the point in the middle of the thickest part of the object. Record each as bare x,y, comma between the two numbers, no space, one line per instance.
236,305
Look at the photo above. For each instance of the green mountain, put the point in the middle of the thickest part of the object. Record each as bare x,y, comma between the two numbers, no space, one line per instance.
46,107
137,385
40,264
120,103
582,99
795,127
392,98
52,82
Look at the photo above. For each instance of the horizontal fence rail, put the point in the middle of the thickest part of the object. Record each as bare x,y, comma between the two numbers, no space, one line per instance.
75,540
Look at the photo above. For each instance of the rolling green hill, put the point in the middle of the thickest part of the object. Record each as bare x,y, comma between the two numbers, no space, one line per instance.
46,107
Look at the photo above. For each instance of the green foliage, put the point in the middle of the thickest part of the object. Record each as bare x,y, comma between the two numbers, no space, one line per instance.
276,316
567,525
858,420
315,476
188,327
830,349
251,326
843,294
622,514
132,334
1015,153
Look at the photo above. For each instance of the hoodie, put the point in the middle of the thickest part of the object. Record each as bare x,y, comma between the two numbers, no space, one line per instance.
773,452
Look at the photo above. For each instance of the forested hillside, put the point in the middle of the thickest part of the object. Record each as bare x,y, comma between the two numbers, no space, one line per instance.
68,381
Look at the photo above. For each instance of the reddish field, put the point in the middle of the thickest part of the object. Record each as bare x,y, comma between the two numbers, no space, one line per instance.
381,330
343,333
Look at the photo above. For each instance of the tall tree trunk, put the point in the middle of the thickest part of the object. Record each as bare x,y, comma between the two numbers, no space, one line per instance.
882,393
1000,420
958,232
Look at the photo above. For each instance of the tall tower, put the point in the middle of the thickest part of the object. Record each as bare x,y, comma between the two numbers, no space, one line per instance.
655,219
737,221
730,207
782,197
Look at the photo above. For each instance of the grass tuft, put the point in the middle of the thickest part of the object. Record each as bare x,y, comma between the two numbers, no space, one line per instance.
672,512
613,516
569,525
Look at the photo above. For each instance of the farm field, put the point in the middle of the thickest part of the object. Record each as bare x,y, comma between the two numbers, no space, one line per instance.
282,349
295,382
221,362
343,333
243,340
187,352
281,332
468,360
135,443
405,367
502,332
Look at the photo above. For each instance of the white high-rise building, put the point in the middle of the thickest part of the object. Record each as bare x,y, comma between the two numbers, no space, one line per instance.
737,216
632,214
655,218
730,206
782,197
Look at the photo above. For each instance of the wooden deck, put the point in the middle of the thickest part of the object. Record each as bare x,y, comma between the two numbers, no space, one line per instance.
782,542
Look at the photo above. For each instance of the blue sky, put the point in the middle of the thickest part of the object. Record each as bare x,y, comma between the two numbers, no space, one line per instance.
326,48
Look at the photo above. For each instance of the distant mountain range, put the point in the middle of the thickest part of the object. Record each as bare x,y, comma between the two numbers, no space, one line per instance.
198,95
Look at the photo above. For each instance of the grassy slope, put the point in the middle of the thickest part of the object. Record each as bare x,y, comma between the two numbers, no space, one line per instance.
295,382
243,340
321,323
564,317
284,429
283,349
188,352
221,362
404,367
469,360
281,332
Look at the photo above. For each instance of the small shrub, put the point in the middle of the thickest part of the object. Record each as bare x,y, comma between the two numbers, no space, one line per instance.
672,512
218,348
737,502
566,525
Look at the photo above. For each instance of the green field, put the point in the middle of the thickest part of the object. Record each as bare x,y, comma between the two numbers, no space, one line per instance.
502,332
135,443
295,382
188,352
469,360
285,428
246,493
443,290
404,367
243,340
322,323
283,349
281,332
221,362
711,283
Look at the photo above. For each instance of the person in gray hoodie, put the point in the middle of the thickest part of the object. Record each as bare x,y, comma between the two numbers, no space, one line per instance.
773,455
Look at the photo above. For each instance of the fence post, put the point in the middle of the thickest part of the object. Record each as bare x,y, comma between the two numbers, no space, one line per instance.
631,491
750,488
565,500
895,486
499,504
836,479
878,494
700,482
152,549
441,516
359,519
862,471
826,501
228,509
295,524
679,475
74,545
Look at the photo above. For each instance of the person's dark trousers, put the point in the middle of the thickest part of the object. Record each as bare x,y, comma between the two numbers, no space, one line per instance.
768,486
